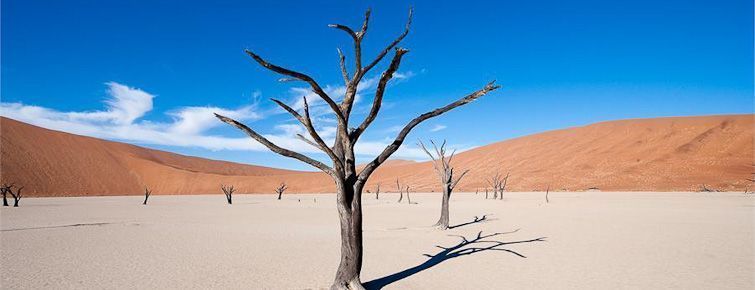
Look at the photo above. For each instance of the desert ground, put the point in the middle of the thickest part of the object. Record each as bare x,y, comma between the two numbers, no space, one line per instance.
579,240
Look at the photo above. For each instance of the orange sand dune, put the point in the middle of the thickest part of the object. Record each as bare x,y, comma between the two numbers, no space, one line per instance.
662,154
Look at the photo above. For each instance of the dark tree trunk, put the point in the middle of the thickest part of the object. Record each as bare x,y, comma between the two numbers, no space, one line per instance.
350,216
280,194
443,221
5,198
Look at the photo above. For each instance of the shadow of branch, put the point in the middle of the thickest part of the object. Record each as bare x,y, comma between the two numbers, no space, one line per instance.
482,219
466,247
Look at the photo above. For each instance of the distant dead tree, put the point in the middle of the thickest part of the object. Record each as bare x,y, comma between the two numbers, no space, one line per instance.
377,191
228,191
442,165
280,189
147,192
400,191
498,183
8,189
503,186
486,193
408,198
349,182
547,190
706,189
4,190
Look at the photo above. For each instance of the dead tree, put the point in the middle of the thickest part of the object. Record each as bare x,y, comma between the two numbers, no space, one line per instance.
408,198
486,193
503,185
349,182
4,190
280,189
377,191
147,192
448,181
228,191
547,190
495,182
400,191
8,189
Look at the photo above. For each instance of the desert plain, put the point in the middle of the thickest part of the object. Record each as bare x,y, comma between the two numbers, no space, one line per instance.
577,240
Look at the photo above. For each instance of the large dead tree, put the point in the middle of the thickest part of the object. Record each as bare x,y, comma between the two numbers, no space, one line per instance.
442,164
280,189
228,191
348,181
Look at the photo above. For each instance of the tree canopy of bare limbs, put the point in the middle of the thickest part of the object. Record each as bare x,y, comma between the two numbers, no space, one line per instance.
442,164
228,191
8,189
498,183
348,181
280,189
147,193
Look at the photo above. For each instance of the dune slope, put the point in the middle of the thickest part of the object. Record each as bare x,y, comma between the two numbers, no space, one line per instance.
662,154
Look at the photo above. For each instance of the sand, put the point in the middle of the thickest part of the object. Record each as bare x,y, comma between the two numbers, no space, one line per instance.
590,240
662,154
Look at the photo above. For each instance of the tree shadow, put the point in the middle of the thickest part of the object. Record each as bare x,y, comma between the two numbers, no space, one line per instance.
484,218
465,247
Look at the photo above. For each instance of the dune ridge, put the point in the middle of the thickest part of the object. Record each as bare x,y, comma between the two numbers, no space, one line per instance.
659,154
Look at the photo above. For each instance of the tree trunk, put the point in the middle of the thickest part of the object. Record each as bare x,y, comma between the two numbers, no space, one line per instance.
5,199
350,216
280,194
443,221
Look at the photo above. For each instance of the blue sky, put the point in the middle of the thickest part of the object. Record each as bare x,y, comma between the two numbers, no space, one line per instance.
149,72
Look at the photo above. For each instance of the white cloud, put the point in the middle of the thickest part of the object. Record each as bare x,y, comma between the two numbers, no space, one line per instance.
438,127
121,120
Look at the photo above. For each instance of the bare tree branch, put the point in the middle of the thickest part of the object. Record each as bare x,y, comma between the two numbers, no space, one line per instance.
306,120
390,149
342,63
312,83
276,148
378,100
392,45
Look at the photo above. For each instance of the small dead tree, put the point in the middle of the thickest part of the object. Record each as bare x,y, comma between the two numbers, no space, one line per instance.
408,198
547,190
400,191
8,189
147,192
445,171
503,185
349,181
486,193
377,191
280,189
228,191
4,190
495,183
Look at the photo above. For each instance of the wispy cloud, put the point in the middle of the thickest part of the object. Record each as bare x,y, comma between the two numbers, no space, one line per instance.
125,107
438,127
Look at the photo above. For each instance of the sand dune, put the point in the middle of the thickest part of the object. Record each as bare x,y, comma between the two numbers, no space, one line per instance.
662,154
